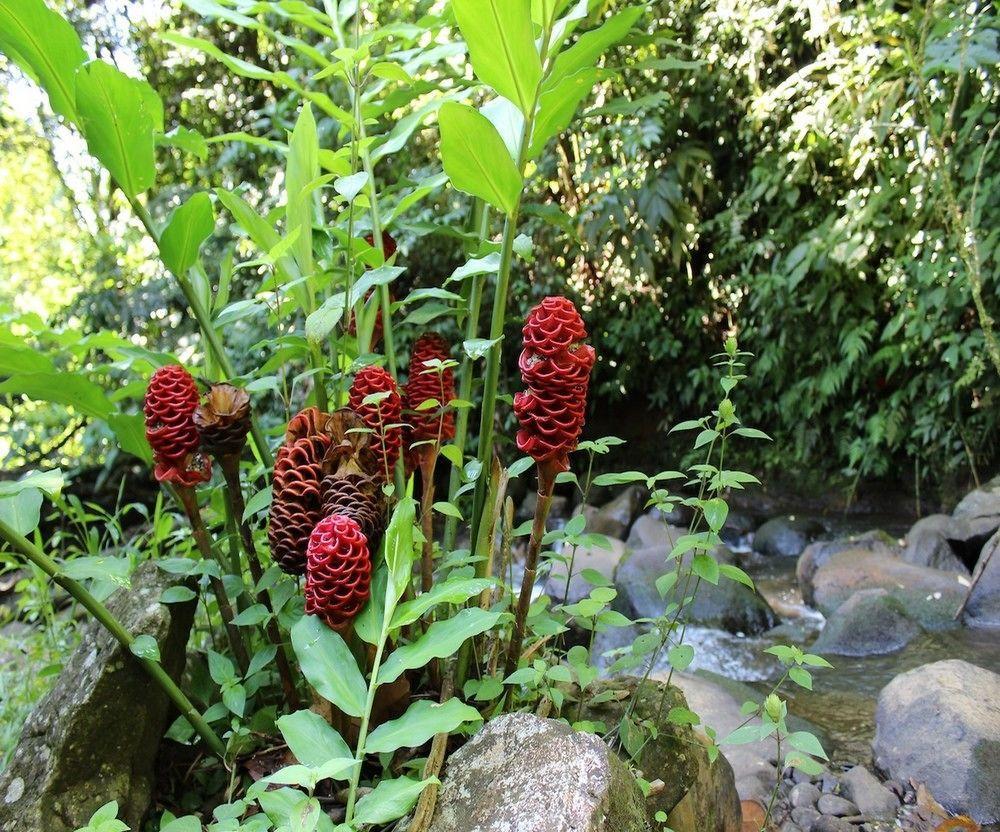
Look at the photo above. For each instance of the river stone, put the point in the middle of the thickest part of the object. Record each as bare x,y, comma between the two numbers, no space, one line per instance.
697,796
786,536
818,553
830,823
840,807
872,798
983,607
521,773
929,596
869,623
94,737
729,605
599,558
805,816
927,545
804,794
939,725
974,521
651,531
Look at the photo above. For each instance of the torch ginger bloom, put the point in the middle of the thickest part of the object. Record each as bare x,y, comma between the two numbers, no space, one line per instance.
171,400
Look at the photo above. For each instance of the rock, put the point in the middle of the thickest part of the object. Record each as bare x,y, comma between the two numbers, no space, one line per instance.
598,558
929,596
840,807
788,826
557,511
939,725
94,737
804,794
736,529
869,623
624,508
729,605
698,796
872,798
927,545
651,531
818,553
521,773
983,607
829,823
786,536
974,521
805,816
600,523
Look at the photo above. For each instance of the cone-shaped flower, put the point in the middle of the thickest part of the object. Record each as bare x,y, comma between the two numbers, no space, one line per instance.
296,503
555,367
223,420
171,399
338,571
383,418
430,383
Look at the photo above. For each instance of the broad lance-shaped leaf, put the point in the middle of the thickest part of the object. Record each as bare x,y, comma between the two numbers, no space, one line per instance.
190,225
310,739
389,800
454,591
117,117
301,169
502,46
328,665
422,720
476,158
442,638
585,53
558,105
46,47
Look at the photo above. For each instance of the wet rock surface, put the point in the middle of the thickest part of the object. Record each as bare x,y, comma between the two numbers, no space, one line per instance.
786,536
94,737
983,606
818,553
868,623
927,544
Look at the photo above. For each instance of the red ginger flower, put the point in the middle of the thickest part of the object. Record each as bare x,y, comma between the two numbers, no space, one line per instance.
338,571
555,366
296,504
382,417
171,400
430,383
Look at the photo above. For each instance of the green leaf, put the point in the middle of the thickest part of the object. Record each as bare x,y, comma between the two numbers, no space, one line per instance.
681,656
475,157
502,46
258,502
188,823
588,49
310,739
145,647
251,616
302,168
62,388
117,120
22,511
490,264
734,573
45,45
620,479
422,720
802,677
176,595
389,800
328,665
743,735
454,591
190,225
796,759
130,432
443,638
705,567
716,511
350,186
557,106
447,509
399,552
804,741
51,482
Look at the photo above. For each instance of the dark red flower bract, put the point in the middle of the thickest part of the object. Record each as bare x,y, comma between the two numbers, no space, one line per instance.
338,571
383,418
171,400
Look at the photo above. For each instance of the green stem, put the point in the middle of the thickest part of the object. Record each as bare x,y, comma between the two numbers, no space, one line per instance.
208,332
103,615
359,754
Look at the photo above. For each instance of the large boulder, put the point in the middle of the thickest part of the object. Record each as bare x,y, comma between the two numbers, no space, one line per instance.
729,605
869,623
522,773
939,725
927,544
818,553
697,795
650,530
974,521
786,536
599,558
929,596
983,607
94,737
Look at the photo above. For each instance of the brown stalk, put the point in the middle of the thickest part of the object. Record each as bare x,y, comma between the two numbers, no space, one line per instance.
190,502
424,811
230,465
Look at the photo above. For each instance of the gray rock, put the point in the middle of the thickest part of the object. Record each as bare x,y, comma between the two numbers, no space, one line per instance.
871,622
651,531
927,544
840,807
789,826
983,606
624,508
604,561
929,596
557,511
600,523
491,784
804,794
786,536
818,553
94,737
974,521
697,795
872,798
829,823
728,605
805,816
939,725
